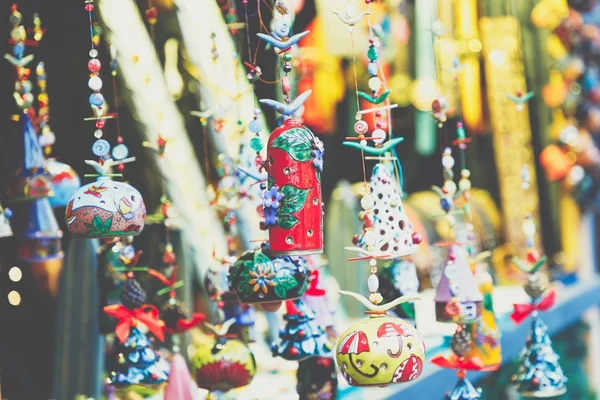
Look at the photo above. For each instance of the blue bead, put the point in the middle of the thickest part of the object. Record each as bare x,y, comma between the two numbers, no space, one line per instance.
8,213
100,148
96,99
446,204
120,152
255,126
372,69
18,49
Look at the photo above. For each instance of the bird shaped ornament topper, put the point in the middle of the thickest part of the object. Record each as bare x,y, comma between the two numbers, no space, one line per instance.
292,201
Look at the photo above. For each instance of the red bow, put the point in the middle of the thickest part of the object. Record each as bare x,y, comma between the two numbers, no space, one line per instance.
522,311
454,362
184,325
146,314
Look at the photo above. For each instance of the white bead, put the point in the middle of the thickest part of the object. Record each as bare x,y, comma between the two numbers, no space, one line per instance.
451,220
374,83
528,228
448,162
367,202
373,283
450,186
373,262
95,83
464,184
363,143
378,136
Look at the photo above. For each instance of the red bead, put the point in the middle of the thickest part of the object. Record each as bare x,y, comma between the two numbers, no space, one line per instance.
121,167
416,238
220,304
533,256
436,106
129,275
161,141
13,7
169,258
378,113
294,351
89,7
154,377
461,374
301,334
94,65
451,256
100,123
151,15
355,239
535,381
119,139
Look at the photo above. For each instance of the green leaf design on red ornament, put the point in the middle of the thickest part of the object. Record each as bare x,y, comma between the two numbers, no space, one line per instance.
286,221
293,200
297,142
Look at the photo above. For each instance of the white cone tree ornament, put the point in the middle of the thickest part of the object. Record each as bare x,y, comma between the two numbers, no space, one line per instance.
386,228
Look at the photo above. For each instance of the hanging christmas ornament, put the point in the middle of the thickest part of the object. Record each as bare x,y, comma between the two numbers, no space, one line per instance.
539,374
106,208
293,204
317,379
316,299
399,278
387,232
138,365
38,231
65,182
485,333
5,216
302,337
259,277
223,362
457,297
380,350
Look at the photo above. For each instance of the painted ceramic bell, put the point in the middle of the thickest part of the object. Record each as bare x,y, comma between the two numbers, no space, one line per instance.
293,205
105,208
457,297
380,350
65,182
302,337
259,277
38,231
32,181
223,362
386,228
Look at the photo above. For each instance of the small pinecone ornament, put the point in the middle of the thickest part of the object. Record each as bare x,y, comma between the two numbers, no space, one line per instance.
461,342
132,294
172,312
536,285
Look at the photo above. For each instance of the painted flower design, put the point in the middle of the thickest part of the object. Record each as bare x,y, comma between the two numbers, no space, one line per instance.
272,197
262,278
318,150
318,145
270,216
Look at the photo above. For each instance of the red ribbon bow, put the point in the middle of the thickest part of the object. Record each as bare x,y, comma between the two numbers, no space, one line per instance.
522,311
184,325
146,314
454,362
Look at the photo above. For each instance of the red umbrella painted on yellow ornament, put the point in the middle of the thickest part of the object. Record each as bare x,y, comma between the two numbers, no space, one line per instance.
356,343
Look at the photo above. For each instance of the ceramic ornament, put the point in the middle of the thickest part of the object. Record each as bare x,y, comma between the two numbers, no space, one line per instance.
293,204
315,298
38,231
539,374
224,363
387,232
106,208
457,297
64,180
302,337
485,333
317,379
259,277
380,350
5,216
32,181
399,278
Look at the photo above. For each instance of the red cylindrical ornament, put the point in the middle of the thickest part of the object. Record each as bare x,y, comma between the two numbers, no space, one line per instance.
293,202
